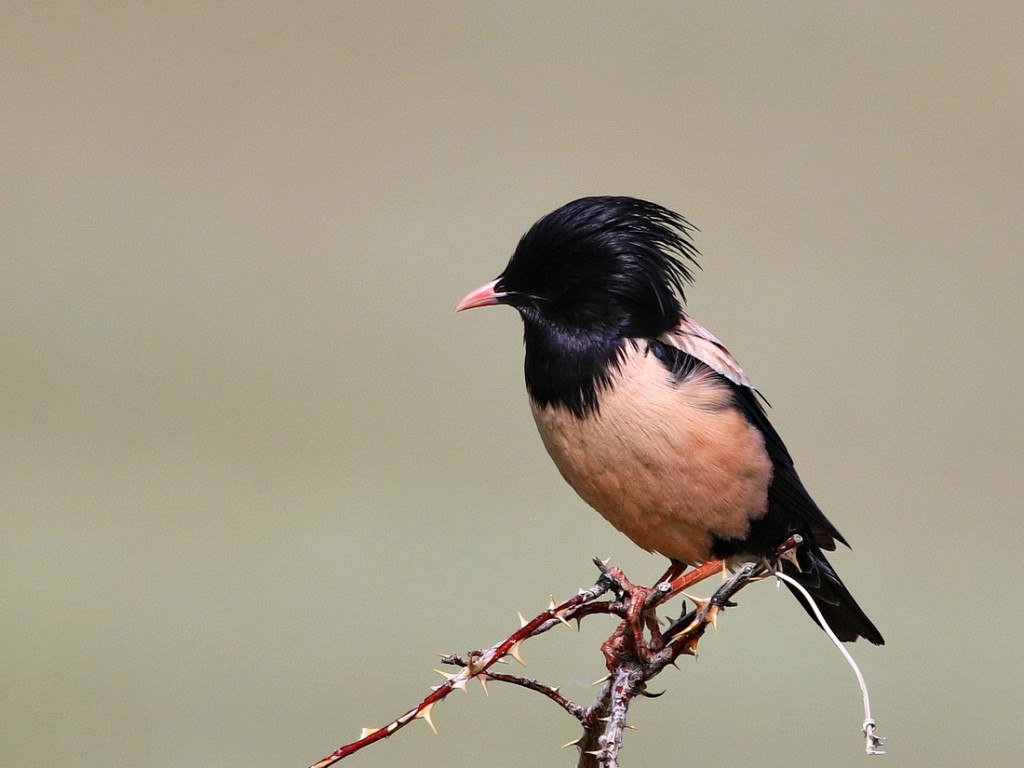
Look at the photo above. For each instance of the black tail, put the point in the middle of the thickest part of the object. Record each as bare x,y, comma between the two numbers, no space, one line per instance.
835,602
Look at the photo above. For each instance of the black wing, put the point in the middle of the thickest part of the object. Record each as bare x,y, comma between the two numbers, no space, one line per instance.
790,507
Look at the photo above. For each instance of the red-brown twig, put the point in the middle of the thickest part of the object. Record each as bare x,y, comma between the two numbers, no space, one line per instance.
632,659
554,694
479,663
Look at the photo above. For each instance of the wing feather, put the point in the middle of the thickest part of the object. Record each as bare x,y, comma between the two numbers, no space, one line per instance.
786,493
697,341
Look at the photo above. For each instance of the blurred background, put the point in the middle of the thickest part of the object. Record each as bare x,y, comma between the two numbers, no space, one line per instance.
254,472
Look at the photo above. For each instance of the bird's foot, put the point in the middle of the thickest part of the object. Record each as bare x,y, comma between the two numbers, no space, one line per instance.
697,575
639,635
673,572
638,614
617,648
628,642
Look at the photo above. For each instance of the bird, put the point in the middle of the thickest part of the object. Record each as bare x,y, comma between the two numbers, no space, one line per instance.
645,413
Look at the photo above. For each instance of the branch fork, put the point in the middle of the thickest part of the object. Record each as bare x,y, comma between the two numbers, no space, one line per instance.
637,651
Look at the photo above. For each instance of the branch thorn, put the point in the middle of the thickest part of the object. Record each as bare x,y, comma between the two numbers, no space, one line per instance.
424,714
699,602
790,556
712,616
514,653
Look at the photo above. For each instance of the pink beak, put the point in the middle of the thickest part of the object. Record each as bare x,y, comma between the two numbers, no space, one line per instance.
484,296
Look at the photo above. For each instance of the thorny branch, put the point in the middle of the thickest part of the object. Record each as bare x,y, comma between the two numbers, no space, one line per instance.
633,657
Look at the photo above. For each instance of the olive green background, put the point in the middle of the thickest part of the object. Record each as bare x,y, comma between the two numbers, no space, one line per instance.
254,472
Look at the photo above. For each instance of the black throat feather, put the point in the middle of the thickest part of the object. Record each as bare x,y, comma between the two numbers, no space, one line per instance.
569,368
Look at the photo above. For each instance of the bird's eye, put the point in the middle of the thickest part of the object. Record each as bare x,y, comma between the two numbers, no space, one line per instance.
557,286
658,349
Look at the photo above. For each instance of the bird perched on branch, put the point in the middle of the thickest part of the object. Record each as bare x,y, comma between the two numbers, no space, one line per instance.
645,413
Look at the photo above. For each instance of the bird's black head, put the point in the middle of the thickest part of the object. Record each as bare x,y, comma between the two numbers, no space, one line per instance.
614,264
586,278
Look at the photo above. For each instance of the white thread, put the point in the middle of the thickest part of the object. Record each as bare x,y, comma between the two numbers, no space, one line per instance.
873,743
